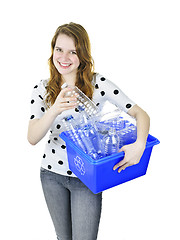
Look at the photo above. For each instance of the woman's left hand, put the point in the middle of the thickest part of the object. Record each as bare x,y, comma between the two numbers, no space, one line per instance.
133,153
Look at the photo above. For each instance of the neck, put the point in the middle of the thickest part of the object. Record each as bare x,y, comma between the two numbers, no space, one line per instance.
69,79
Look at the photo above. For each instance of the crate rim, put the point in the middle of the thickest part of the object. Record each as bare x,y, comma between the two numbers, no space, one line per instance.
62,135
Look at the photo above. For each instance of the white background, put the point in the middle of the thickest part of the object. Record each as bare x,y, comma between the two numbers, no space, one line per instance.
136,44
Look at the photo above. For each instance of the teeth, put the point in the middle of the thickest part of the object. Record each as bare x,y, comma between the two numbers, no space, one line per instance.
65,65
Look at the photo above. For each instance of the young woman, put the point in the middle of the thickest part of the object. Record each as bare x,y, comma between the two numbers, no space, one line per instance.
74,209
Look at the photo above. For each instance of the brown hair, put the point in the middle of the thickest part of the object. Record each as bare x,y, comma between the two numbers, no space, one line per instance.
85,71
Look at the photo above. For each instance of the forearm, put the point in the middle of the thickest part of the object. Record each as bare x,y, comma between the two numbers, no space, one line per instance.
143,124
39,127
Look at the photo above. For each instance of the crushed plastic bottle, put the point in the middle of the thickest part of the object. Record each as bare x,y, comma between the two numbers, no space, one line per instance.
129,134
82,100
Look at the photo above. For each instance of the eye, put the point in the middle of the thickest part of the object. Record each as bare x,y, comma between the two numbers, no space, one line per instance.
58,49
73,52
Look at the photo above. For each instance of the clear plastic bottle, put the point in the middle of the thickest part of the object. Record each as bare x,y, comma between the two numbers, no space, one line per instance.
133,133
119,125
111,142
91,141
82,100
89,134
83,116
72,132
129,133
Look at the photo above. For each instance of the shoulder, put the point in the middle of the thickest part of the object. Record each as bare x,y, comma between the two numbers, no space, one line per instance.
103,82
98,77
40,87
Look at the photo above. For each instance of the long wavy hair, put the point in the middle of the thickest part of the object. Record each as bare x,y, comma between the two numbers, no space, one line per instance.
85,71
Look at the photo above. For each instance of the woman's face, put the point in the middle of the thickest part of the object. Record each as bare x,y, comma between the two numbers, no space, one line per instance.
65,57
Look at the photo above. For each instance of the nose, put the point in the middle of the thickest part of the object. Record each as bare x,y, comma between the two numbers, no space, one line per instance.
64,57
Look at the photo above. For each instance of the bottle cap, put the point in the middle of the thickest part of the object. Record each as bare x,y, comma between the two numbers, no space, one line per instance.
68,118
64,85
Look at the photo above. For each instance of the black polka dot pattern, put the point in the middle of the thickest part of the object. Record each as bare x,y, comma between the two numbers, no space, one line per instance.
55,146
37,104
60,162
69,172
102,93
58,126
40,97
116,91
109,91
128,105
96,86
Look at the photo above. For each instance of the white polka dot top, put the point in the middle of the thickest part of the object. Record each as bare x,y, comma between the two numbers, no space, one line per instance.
55,156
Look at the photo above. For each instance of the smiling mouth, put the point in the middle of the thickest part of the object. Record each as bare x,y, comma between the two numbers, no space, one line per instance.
65,65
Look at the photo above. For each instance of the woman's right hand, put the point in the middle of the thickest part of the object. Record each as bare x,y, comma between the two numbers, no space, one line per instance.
63,103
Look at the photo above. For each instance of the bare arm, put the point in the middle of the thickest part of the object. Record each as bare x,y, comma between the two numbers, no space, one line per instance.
143,123
134,151
39,127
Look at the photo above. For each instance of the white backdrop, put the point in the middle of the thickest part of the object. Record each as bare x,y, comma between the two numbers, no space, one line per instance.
136,45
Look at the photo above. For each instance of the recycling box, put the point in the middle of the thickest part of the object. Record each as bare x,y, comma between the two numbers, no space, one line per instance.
98,175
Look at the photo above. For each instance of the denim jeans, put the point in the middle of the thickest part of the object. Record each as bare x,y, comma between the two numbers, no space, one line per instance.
74,209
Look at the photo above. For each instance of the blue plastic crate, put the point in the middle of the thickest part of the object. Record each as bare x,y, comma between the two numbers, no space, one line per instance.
98,175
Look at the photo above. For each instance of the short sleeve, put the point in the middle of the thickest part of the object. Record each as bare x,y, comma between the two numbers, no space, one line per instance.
109,91
38,107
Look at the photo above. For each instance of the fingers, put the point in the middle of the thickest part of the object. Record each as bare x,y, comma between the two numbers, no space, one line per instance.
63,103
122,164
63,97
66,103
68,100
119,164
123,167
67,92
132,157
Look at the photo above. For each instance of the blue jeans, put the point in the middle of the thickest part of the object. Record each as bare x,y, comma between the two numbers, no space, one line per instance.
74,209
